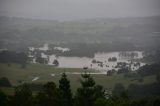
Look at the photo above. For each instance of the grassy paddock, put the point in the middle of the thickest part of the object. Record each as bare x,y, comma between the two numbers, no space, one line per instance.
18,75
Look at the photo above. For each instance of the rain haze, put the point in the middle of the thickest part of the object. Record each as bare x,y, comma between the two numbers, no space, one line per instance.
78,9
79,52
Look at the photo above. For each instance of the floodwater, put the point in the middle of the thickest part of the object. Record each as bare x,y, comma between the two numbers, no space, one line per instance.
36,78
78,62
103,63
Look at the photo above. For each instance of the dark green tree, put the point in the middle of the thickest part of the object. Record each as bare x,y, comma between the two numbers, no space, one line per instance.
4,101
158,77
99,92
23,96
88,93
4,82
64,86
85,94
118,90
49,96
55,62
100,102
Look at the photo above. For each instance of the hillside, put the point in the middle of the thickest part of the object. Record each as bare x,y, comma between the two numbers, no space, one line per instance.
144,30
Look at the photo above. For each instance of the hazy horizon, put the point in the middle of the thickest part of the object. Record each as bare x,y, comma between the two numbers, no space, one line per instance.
78,9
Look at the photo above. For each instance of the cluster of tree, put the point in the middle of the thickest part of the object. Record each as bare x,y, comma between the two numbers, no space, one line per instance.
89,94
121,65
84,49
4,82
111,72
112,59
89,49
128,54
41,60
9,57
136,95
147,70
123,100
151,56
51,95
123,70
141,91
99,63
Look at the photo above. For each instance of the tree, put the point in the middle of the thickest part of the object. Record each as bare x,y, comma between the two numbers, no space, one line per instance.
3,99
158,77
4,82
100,102
123,70
147,70
15,57
99,92
118,90
49,96
40,60
64,86
88,93
23,96
85,94
55,62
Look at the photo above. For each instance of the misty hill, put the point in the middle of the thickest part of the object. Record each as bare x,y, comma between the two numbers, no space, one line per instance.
141,31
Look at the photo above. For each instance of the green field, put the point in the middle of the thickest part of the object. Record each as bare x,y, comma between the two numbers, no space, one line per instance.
18,75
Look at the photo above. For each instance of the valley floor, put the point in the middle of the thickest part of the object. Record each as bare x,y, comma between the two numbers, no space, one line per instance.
38,73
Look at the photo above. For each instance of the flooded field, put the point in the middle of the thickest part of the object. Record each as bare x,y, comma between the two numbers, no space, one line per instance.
102,61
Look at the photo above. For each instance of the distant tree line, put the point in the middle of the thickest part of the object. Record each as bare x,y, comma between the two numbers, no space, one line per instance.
13,35
149,69
9,57
89,49
151,56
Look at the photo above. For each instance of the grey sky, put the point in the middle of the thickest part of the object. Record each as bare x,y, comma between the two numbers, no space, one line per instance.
78,9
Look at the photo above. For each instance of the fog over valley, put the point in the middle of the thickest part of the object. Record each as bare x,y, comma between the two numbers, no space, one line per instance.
79,52
78,9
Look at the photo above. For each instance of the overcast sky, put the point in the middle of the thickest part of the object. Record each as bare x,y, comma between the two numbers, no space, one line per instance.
78,9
